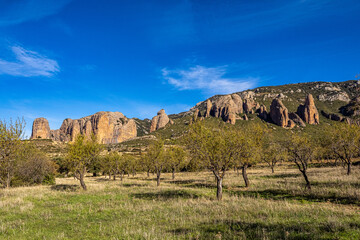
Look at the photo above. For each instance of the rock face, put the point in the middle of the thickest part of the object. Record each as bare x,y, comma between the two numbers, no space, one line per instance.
228,107
308,111
296,119
208,108
109,127
40,129
159,121
279,113
352,109
263,113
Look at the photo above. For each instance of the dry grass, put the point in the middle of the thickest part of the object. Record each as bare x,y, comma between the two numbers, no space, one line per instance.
275,206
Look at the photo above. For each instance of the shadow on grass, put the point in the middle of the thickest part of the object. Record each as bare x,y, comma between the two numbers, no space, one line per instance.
134,185
103,180
187,181
166,195
285,175
228,229
65,187
335,184
277,194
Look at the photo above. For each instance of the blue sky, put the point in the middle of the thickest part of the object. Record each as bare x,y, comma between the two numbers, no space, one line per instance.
72,58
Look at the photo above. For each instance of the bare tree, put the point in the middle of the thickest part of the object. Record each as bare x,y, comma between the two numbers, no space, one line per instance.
345,143
301,150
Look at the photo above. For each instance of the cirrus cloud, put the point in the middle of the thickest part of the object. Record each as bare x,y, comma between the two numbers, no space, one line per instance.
28,64
211,80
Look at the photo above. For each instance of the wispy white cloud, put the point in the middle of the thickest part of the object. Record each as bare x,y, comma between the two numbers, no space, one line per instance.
15,12
211,80
28,64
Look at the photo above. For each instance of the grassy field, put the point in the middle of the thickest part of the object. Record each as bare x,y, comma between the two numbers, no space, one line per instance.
275,206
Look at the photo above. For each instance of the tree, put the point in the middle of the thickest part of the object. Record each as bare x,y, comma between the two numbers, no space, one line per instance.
272,152
176,158
10,144
301,150
146,163
248,143
155,156
80,156
345,143
34,167
214,149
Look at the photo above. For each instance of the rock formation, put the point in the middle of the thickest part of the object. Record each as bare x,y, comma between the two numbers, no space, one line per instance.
228,107
279,113
159,121
352,109
40,129
109,127
263,113
296,119
208,108
308,111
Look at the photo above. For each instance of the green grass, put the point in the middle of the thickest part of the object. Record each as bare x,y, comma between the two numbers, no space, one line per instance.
275,206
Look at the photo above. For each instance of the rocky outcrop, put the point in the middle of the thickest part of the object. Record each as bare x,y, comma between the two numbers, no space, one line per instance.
40,129
308,111
352,109
208,108
331,97
109,127
296,119
159,121
279,113
263,113
228,107
333,116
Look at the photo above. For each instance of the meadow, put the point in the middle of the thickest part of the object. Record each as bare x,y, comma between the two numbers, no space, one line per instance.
275,206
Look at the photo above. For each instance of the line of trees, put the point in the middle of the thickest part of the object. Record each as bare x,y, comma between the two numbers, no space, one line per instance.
216,148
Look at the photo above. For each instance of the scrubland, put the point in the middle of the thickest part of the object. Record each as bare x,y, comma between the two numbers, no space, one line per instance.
275,206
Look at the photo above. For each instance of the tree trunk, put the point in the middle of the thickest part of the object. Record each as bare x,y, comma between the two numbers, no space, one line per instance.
109,176
82,183
158,178
308,185
81,178
237,171
348,167
148,173
219,188
94,174
8,180
272,169
121,176
173,174
244,174
114,177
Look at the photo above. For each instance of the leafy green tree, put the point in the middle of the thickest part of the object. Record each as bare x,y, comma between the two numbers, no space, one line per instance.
146,163
345,142
176,159
272,152
248,144
10,143
214,149
155,156
301,151
80,156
